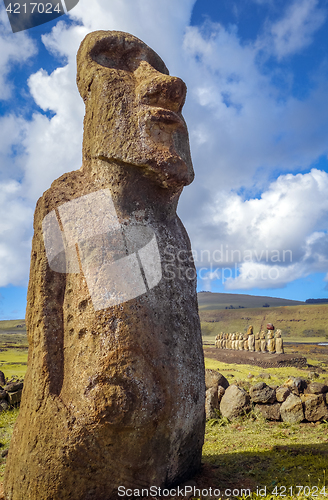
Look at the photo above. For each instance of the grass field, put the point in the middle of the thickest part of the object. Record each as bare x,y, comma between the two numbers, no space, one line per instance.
249,455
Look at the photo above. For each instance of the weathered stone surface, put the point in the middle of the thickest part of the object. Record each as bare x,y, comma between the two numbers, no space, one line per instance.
279,343
3,394
265,375
2,378
270,411
262,393
13,387
316,388
291,410
221,392
295,384
214,378
4,405
315,408
115,389
235,402
211,402
15,397
282,393
271,344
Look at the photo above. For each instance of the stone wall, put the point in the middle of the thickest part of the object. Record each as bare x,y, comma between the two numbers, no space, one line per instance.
296,400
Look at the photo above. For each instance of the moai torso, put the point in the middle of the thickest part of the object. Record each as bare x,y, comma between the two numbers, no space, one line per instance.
257,342
263,341
241,342
271,342
114,391
251,340
279,343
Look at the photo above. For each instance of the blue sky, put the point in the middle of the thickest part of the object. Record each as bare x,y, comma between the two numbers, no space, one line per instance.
257,113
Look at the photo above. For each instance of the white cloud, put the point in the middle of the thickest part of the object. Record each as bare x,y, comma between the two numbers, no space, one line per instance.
14,49
15,234
241,128
273,240
295,30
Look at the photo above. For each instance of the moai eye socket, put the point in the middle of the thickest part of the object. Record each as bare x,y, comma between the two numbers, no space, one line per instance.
122,55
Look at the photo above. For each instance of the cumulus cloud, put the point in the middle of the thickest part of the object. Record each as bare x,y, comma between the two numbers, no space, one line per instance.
241,128
272,240
16,218
295,30
14,49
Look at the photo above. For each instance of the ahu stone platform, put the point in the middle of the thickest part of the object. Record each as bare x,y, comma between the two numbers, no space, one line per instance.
266,360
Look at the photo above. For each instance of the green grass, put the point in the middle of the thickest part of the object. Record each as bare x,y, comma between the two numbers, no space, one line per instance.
13,324
13,362
237,373
251,452
7,421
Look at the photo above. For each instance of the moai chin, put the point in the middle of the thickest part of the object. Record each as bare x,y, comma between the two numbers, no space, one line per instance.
114,391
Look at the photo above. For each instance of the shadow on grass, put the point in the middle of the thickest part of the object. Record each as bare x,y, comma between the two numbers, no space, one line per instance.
282,466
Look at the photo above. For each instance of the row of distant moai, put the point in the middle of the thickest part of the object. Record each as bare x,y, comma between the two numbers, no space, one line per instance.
258,342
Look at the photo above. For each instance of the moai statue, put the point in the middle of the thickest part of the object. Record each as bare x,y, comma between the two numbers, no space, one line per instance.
225,344
245,342
279,342
263,341
241,342
230,341
217,341
257,342
271,342
233,338
114,392
251,340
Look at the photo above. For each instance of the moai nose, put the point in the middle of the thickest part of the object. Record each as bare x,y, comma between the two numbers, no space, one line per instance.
156,89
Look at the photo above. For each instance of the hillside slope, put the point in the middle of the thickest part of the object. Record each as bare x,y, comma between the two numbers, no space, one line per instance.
209,301
310,320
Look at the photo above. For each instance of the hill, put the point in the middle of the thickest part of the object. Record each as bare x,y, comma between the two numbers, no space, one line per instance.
299,321
13,325
209,301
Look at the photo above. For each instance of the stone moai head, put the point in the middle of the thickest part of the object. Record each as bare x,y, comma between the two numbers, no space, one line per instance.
278,333
133,108
250,330
270,334
262,335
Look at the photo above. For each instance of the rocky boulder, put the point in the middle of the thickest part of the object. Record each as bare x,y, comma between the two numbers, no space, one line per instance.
211,402
269,411
315,407
235,402
262,393
214,378
291,410
282,393
316,388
